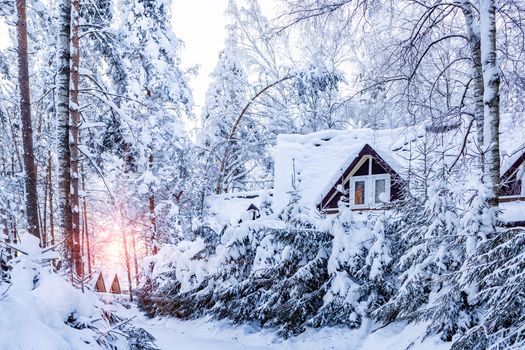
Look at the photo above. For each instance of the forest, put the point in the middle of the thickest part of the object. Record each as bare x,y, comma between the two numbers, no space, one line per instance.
354,177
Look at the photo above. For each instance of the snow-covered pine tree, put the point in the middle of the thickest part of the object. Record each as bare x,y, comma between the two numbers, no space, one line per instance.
153,115
426,252
491,276
380,282
226,153
454,310
341,302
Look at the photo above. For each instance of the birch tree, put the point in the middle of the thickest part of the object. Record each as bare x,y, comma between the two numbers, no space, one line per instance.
491,99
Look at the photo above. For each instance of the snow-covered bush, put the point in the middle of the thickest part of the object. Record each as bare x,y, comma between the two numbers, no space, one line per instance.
41,309
286,271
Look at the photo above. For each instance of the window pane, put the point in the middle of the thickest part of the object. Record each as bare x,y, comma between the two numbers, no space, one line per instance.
380,189
359,193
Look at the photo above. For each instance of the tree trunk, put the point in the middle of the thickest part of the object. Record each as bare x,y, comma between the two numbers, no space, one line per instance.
128,264
135,261
85,219
473,27
153,220
51,217
75,121
27,130
64,156
491,82
47,182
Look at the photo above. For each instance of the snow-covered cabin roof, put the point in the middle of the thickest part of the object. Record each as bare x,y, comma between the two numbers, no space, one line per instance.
314,163
229,208
512,140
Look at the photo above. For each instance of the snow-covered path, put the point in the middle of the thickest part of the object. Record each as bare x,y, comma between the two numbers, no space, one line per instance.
205,334
172,334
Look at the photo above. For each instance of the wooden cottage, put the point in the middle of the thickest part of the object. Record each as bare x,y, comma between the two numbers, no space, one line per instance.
100,285
115,286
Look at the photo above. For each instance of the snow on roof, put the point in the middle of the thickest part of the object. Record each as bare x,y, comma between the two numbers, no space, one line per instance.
320,158
512,211
512,139
229,208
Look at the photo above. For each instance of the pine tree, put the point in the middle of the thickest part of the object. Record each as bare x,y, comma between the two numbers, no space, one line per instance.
159,102
226,97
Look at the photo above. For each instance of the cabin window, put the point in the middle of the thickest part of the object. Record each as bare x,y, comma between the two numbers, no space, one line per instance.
369,190
369,185
380,190
359,192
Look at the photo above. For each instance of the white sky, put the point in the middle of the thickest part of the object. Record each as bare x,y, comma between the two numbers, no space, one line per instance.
200,24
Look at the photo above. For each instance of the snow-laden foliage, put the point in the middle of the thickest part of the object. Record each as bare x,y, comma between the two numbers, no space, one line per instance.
41,309
285,271
440,260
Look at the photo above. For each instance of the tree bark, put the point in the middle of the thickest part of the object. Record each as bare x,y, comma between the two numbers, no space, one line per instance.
64,156
152,217
51,216
473,35
85,219
27,130
491,84
47,182
75,121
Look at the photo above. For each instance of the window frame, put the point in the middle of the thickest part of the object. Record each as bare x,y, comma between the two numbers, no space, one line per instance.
370,189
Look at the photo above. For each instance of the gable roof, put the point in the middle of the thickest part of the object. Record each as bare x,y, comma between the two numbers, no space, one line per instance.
367,150
314,163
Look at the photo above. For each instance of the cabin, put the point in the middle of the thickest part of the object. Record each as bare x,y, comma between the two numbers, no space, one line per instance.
115,286
100,285
360,164
371,167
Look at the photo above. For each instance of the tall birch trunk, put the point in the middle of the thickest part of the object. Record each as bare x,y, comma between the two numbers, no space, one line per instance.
27,130
491,82
473,35
85,219
62,110
75,121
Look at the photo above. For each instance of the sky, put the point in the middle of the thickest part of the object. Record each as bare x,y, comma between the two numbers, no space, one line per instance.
200,24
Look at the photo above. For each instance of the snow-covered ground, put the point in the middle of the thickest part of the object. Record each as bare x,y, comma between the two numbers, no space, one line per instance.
206,334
